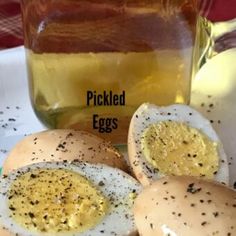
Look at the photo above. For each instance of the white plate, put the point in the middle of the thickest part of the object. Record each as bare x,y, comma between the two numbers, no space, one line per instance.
16,115
215,84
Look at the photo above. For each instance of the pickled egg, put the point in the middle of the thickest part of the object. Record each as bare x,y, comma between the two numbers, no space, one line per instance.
174,140
184,206
63,144
61,198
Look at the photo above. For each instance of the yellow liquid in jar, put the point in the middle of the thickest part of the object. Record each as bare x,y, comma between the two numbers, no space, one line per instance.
60,81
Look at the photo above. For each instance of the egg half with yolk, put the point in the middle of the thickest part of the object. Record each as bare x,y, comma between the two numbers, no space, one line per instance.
56,198
174,140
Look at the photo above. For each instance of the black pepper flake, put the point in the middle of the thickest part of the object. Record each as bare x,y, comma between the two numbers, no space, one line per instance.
33,176
215,214
12,208
203,223
65,221
101,183
151,225
61,146
31,215
235,185
3,151
162,141
4,126
192,189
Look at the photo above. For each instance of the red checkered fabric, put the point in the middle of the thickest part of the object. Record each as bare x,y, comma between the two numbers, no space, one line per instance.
218,10
10,24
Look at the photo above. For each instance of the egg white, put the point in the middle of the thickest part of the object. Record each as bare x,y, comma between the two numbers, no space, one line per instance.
148,114
118,221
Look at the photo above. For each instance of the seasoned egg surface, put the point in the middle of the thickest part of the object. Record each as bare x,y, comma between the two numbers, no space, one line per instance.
174,140
58,198
184,206
59,145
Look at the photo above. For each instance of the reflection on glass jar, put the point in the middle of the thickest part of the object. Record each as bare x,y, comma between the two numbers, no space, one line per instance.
214,38
216,31
139,49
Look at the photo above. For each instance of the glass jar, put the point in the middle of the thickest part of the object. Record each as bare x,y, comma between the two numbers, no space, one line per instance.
216,30
91,63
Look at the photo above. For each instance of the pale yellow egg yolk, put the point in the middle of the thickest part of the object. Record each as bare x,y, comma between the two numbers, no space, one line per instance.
56,200
175,148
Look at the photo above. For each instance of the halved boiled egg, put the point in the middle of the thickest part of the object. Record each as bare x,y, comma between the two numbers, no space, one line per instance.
174,140
58,198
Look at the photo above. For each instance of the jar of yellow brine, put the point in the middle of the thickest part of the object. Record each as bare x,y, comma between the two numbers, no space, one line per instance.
91,63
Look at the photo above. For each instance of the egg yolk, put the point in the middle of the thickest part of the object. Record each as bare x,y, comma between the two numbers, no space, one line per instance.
174,148
56,200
